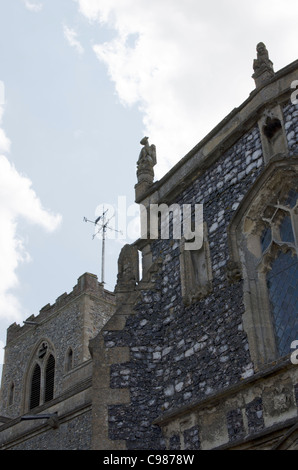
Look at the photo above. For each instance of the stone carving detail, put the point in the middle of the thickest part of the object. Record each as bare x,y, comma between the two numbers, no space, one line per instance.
263,67
234,273
43,350
146,162
272,131
272,125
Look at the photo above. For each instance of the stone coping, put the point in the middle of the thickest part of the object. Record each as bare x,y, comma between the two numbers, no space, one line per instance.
223,136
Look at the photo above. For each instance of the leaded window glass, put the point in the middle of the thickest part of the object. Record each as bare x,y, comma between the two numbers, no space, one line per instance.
286,231
282,281
279,247
291,199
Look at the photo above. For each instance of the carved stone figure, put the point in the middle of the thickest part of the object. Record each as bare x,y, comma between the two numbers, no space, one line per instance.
263,67
146,161
233,272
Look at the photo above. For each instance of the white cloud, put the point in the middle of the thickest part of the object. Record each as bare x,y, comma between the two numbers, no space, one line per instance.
17,200
35,7
71,37
187,64
4,142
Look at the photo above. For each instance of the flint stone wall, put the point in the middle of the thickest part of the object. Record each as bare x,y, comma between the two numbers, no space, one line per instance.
183,354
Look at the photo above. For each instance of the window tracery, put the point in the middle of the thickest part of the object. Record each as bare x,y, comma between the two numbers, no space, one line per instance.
263,239
279,257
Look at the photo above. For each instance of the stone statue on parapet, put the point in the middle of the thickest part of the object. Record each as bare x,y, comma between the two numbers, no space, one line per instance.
263,67
146,161
145,172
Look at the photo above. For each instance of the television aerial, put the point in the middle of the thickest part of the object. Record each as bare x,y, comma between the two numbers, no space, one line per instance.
103,225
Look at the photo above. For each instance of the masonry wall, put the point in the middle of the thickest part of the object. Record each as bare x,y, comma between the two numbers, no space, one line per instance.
72,435
291,127
63,333
182,354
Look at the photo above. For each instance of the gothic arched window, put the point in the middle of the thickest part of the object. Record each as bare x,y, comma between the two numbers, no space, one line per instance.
42,377
35,387
264,248
49,379
279,251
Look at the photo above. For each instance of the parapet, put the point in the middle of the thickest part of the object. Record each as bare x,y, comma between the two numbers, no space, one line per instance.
87,283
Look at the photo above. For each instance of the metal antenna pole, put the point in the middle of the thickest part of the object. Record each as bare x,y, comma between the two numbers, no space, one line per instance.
103,248
103,258
104,226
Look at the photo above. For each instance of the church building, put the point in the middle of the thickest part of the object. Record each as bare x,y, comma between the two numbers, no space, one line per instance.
198,349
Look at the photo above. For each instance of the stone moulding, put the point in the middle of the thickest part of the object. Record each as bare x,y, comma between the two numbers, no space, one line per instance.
273,176
274,386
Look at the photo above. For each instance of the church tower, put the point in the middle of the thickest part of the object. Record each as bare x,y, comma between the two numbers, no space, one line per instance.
47,374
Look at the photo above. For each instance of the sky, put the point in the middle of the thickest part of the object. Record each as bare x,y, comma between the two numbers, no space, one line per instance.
81,83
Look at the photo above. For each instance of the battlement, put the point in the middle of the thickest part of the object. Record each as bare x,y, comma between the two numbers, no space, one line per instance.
87,283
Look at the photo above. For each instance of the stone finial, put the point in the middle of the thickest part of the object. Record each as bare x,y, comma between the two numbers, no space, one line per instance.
263,67
128,269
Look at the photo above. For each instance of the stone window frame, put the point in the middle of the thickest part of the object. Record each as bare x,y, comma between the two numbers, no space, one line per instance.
246,255
38,358
195,288
11,393
69,360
